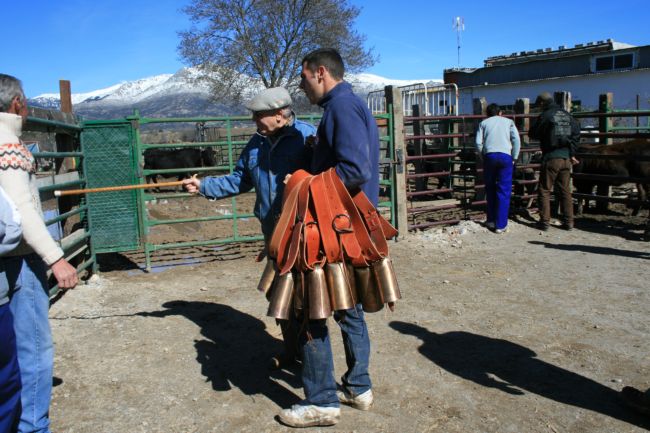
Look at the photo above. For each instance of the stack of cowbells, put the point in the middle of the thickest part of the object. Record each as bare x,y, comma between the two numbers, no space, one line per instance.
329,251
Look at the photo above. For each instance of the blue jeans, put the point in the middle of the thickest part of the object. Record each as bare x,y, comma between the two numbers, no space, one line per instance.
497,172
318,365
29,301
9,373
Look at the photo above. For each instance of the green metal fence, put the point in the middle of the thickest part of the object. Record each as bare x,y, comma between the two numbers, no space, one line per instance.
76,246
122,221
110,160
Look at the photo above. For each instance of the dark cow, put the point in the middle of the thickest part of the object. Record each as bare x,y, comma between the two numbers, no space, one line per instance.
166,159
629,167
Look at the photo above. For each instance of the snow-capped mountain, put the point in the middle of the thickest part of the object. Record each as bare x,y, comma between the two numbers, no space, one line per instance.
175,95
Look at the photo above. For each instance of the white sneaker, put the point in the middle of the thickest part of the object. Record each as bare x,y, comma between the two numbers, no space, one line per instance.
310,416
501,231
361,401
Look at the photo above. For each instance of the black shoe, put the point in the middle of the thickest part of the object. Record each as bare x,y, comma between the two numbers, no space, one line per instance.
567,227
542,226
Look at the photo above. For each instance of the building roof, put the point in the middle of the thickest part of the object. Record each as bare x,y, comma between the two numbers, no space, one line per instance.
561,51
581,60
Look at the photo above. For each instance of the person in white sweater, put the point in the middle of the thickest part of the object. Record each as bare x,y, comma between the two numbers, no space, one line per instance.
497,144
25,265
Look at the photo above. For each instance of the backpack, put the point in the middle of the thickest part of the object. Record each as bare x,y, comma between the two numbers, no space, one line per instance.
560,128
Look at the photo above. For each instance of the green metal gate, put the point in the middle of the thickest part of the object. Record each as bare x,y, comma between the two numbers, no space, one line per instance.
110,160
113,156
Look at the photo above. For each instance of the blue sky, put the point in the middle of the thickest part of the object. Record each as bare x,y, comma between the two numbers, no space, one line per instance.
98,43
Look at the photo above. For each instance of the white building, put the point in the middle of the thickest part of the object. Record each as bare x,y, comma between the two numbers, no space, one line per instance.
586,70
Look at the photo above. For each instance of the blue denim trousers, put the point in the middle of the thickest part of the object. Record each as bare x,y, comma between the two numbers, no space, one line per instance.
318,365
9,373
497,172
29,302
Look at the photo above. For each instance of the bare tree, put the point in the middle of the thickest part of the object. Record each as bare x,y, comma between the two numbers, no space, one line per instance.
238,44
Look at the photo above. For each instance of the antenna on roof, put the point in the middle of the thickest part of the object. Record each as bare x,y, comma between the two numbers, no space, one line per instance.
458,25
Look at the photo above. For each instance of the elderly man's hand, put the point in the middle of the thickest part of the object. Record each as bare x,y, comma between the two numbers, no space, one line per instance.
65,274
192,185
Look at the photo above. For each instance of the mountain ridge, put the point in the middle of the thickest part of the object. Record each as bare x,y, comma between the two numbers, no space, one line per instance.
177,95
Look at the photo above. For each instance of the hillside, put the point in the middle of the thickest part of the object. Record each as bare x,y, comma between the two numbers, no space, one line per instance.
177,95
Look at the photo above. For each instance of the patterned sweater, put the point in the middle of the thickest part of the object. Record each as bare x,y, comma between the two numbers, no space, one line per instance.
18,179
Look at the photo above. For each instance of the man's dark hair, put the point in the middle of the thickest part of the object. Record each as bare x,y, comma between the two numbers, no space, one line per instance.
492,110
544,99
327,57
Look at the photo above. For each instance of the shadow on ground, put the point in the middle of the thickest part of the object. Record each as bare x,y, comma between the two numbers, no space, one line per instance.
235,350
627,227
592,249
515,370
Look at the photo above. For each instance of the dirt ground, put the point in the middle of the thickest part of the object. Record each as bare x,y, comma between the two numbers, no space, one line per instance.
521,332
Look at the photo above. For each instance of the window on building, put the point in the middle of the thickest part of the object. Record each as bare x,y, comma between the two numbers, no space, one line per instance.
614,62
623,61
605,63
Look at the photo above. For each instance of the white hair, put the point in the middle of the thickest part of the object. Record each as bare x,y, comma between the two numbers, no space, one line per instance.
10,87
287,113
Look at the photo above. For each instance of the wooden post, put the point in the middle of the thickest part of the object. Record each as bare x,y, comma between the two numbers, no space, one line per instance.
522,106
65,96
418,129
480,106
394,99
65,142
605,105
563,99
455,143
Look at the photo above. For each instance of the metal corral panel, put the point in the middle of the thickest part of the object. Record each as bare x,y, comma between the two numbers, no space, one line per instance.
109,161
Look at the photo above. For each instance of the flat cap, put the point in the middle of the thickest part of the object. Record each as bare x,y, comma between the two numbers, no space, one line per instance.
270,99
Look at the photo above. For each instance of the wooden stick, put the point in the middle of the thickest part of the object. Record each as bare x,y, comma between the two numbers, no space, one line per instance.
59,193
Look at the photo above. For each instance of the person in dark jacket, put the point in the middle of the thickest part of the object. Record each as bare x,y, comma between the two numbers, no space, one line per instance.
559,135
347,140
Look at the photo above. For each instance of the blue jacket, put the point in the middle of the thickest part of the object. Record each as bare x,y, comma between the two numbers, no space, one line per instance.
348,139
10,235
263,166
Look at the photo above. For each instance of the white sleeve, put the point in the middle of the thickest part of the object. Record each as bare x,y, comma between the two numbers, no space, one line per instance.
15,182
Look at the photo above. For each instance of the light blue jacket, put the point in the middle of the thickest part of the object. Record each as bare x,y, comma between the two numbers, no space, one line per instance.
263,165
10,235
498,134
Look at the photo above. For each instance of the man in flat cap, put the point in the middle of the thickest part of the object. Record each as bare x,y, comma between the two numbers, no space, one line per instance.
559,135
274,151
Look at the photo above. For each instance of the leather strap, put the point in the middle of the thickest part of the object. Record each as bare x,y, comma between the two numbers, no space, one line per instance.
321,222
325,216
311,255
284,226
296,230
